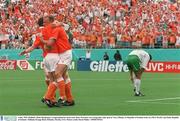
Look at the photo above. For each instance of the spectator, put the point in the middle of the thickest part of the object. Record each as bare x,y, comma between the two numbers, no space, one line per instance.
88,54
106,57
172,40
117,56
178,41
109,24
159,40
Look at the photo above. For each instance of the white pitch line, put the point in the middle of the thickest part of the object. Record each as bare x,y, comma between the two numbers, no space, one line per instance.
158,103
150,100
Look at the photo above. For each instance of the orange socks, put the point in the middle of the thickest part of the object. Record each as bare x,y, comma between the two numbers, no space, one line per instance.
64,90
68,92
61,86
51,91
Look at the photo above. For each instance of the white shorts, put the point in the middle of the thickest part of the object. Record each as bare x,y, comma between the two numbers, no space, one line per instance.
51,61
65,58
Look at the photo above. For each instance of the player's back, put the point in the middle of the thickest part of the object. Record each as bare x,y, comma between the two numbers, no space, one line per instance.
140,53
61,39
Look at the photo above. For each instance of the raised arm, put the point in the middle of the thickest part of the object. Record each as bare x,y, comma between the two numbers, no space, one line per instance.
28,50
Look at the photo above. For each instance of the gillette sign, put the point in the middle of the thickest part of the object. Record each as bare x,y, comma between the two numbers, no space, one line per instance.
102,66
107,66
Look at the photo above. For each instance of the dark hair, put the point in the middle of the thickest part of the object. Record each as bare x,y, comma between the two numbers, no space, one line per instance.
51,19
150,56
40,21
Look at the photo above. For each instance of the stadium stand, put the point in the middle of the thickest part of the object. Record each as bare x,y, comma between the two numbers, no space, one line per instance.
94,23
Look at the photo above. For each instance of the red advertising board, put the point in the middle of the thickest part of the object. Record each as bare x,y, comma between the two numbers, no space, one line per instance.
167,67
8,64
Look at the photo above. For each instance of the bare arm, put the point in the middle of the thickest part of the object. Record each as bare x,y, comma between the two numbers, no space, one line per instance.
49,42
41,39
28,50
131,76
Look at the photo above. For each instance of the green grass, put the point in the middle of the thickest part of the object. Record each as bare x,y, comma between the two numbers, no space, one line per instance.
94,93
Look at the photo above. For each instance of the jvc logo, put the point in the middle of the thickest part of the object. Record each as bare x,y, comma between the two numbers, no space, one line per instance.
155,67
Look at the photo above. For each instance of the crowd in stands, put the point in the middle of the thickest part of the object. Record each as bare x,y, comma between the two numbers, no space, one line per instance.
95,23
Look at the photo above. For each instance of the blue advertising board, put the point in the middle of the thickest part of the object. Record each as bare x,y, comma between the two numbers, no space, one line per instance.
102,66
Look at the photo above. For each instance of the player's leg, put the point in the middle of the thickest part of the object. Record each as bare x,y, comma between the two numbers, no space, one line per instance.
49,98
134,81
64,62
47,81
51,88
60,80
68,91
137,82
134,67
130,64
50,62
47,78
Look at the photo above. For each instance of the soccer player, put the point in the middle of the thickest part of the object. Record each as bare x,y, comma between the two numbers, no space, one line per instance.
36,44
65,53
61,72
137,62
46,52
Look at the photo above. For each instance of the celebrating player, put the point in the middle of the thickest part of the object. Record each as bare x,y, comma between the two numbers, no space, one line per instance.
61,74
38,43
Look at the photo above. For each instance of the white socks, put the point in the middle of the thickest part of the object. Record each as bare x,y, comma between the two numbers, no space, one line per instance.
137,83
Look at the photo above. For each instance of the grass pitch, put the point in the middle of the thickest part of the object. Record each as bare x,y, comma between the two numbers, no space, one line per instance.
95,93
